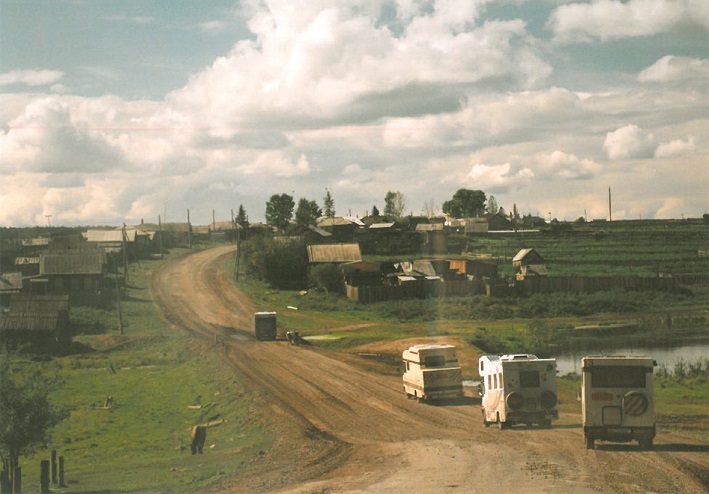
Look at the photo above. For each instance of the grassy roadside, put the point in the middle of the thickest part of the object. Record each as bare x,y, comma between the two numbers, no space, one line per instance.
162,383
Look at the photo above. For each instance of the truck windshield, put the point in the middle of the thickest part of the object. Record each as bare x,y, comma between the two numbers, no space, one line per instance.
529,379
618,377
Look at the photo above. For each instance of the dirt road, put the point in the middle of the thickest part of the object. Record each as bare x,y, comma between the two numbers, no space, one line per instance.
344,425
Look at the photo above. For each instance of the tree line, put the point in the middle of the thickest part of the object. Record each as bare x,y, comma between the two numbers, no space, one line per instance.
281,209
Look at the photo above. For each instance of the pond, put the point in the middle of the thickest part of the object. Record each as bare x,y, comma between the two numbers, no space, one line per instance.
668,356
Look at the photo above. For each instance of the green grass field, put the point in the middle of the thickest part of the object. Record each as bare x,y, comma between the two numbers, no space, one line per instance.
162,384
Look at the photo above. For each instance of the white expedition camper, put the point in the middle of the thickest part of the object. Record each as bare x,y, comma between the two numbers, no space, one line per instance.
432,372
617,399
518,389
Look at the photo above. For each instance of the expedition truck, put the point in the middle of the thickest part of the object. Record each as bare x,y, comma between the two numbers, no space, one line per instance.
617,400
432,372
265,325
518,389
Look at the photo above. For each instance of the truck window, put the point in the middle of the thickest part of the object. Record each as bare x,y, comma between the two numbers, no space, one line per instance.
435,361
529,379
618,377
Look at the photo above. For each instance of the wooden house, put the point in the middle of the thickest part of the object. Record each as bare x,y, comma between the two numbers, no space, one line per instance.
70,271
433,238
529,263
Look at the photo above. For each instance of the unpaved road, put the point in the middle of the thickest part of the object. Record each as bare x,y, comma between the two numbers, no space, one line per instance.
344,425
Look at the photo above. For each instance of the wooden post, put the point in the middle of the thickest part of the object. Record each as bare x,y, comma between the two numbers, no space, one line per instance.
54,466
17,487
61,472
4,482
44,477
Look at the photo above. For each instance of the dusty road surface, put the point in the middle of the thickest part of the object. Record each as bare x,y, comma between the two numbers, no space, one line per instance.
343,424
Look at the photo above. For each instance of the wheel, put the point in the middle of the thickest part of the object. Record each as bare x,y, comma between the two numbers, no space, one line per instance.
502,425
485,422
545,424
590,442
645,443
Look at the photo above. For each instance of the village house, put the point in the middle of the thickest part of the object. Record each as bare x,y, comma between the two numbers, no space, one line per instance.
528,263
81,271
40,322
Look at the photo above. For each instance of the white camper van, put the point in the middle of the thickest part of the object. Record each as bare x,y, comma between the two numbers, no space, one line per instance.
518,389
432,372
617,399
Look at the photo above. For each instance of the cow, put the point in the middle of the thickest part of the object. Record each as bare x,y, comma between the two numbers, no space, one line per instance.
199,435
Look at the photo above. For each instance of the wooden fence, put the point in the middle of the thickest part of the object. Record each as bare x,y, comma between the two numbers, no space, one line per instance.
584,284
542,284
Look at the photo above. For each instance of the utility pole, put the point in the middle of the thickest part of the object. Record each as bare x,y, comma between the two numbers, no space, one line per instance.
160,235
125,254
189,230
238,254
610,208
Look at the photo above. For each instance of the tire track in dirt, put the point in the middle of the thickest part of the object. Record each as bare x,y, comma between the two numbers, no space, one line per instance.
340,427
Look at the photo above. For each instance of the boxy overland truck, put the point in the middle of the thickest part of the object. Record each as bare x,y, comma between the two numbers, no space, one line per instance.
432,372
617,401
518,389
265,325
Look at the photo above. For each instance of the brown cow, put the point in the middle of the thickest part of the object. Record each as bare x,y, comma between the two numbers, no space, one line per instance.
199,435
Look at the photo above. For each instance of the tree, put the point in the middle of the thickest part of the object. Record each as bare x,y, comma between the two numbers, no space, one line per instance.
466,203
394,204
375,212
26,416
307,212
430,209
492,207
279,211
329,204
241,218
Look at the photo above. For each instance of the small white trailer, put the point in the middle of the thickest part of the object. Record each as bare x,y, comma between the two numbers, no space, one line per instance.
432,372
617,399
518,389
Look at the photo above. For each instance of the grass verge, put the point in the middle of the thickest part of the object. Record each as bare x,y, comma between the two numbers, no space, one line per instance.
161,383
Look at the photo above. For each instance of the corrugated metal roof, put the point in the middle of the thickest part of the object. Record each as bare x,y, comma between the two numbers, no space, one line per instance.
73,262
334,253
381,226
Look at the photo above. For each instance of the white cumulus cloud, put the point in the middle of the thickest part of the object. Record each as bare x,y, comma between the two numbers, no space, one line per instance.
31,77
672,68
613,19
629,141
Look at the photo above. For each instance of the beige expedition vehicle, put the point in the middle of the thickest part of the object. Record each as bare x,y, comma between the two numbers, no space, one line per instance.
432,372
617,399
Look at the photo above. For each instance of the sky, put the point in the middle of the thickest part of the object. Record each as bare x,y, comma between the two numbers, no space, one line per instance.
117,112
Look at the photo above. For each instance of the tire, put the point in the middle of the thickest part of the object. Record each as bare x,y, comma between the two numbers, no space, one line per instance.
485,422
645,443
545,424
590,442
502,425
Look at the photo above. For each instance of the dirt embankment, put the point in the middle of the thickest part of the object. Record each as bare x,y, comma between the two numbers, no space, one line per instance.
344,425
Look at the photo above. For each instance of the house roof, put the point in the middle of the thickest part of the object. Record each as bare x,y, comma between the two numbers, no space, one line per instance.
381,226
320,231
531,253
90,261
334,253
29,321
39,303
335,221
109,236
10,282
